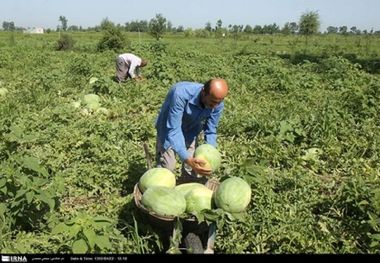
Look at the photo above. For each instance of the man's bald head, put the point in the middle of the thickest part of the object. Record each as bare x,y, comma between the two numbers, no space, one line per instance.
214,91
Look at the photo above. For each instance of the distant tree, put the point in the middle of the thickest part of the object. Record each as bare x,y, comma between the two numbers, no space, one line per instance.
332,30
113,37
271,29
106,24
290,28
73,28
234,29
257,29
208,26
219,24
157,26
343,30
293,27
8,26
137,26
64,22
309,24
180,29
355,30
219,31
286,29
169,26
248,29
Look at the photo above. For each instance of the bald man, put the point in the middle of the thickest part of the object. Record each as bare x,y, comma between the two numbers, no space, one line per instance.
189,108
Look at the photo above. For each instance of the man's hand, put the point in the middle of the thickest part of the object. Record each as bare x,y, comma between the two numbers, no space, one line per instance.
197,166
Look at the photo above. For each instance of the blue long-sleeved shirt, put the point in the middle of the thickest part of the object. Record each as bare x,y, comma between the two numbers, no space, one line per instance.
182,117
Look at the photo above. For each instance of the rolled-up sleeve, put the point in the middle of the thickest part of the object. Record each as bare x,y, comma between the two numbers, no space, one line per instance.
211,125
173,125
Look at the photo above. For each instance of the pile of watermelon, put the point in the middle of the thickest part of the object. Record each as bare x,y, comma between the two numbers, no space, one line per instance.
161,195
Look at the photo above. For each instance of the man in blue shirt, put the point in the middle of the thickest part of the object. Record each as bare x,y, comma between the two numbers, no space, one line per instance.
188,109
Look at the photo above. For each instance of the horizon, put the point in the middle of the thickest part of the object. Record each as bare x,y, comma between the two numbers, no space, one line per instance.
87,14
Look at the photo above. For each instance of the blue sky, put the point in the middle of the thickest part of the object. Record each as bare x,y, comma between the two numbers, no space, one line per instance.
191,13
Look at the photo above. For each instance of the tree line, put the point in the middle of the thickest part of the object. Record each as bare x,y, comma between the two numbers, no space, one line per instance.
308,24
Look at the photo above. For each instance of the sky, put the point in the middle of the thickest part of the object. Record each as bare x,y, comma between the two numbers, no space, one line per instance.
364,14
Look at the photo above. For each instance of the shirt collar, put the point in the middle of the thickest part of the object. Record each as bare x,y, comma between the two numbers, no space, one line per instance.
196,100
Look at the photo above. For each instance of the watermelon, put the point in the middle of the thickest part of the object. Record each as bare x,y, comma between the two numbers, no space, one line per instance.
164,201
157,177
233,195
3,92
92,101
184,189
93,80
210,155
75,104
198,199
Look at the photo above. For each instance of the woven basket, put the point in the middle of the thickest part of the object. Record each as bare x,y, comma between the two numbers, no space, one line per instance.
211,184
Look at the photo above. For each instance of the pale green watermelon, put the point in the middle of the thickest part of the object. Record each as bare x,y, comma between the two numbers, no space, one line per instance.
93,80
92,101
164,201
3,92
198,199
184,189
210,154
233,195
157,177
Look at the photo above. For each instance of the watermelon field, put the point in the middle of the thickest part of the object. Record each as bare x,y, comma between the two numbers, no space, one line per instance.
301,125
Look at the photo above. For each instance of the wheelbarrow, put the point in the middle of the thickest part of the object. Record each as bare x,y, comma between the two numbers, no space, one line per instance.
197,238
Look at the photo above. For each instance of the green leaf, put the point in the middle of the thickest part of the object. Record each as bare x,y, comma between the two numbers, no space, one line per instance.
47,200
374,244
32,163
239,216
103,242
91,236
29,197
3,208
376,236
60,228
74,230
3,181
21,248
102,219
16,134
80,247
20,193
4,190
200,216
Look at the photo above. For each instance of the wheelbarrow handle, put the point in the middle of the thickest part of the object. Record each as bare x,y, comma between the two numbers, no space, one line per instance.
148,157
